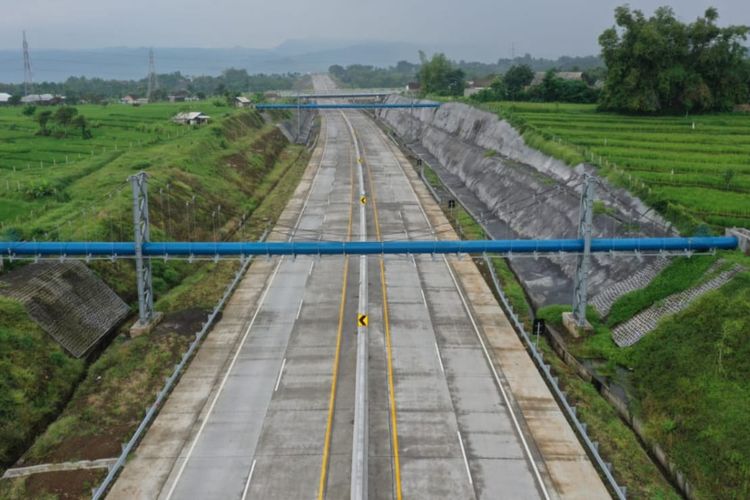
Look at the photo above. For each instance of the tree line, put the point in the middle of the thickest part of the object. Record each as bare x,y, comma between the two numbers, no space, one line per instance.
96,90
652,64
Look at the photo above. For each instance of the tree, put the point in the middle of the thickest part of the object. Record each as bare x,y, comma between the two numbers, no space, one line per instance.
495,92
516,78
42,119
660,64
29,110
64,115
15,100
438,76
80,122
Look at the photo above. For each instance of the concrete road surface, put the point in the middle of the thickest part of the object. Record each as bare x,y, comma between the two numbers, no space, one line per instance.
456,408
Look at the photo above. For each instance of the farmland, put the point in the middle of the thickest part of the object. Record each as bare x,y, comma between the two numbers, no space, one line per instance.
225,180
693,169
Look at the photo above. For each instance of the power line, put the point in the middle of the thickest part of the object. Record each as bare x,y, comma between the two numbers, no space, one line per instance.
153,83
27,84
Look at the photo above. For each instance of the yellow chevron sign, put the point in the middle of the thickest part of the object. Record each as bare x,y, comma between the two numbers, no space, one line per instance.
362,319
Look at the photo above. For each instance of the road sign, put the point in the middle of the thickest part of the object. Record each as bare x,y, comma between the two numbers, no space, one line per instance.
451,203
538,328
419,161
362,319
359,160
363,200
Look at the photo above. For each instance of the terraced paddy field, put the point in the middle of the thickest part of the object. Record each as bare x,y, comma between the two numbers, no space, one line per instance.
62,186
693,169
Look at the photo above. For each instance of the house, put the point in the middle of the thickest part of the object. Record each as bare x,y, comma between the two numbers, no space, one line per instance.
191,118
128,99
140,101
242,102
564,75
4,98
43,99
413,87
179,96
470,91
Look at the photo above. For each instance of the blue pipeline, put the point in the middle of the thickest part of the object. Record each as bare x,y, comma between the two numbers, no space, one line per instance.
339,96
347,106
186,249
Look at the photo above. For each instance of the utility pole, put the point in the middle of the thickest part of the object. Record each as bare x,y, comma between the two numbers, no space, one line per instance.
153,83
27,85
585,219
147,318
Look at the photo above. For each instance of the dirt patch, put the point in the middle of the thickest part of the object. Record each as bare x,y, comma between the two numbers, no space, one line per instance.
184,322
102,445
64,484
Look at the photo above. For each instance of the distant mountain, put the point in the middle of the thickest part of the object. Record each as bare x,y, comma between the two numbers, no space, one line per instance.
129,62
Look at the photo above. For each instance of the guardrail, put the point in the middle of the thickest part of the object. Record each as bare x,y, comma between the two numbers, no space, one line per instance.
592,447
169,384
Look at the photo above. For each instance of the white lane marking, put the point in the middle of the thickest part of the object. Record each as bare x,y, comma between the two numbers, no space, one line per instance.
249,327
247,483
481,341
312,264
299,309
223,382
512,413
281,372
424,299
440,360
466,462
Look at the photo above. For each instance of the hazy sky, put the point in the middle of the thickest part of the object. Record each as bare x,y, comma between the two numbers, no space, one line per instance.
540,27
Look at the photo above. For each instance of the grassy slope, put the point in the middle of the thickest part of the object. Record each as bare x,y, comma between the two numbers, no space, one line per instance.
37,378
687,375
677,164
240,163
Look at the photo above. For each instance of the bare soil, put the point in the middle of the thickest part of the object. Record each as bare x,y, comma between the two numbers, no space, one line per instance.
73,484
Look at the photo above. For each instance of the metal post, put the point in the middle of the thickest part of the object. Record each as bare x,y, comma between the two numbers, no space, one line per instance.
142,235
299,121
585,216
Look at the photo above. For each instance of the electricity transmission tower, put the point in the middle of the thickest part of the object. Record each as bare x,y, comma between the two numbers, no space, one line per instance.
26,66
153,83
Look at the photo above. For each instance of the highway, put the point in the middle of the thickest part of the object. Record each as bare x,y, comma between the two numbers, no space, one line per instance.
272,405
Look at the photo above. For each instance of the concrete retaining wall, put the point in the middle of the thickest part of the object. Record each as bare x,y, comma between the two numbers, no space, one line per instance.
532,194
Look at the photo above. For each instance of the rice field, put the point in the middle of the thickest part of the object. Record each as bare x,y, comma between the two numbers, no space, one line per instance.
36,170
693,169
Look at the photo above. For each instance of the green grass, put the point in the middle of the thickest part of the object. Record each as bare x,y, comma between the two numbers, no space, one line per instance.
681,274
239,168
688,375
38,377
668,160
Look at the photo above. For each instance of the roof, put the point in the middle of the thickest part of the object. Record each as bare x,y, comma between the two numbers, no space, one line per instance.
191,115
4,97
564,75
40,97
243,100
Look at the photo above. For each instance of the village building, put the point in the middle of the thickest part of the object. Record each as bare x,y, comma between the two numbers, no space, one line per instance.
191,118
572,76
242,102
4,98
43,99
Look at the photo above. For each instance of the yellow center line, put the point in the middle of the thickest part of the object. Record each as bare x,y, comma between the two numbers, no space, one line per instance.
337,355
387,327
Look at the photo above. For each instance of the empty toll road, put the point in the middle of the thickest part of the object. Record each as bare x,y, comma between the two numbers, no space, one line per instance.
267,408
